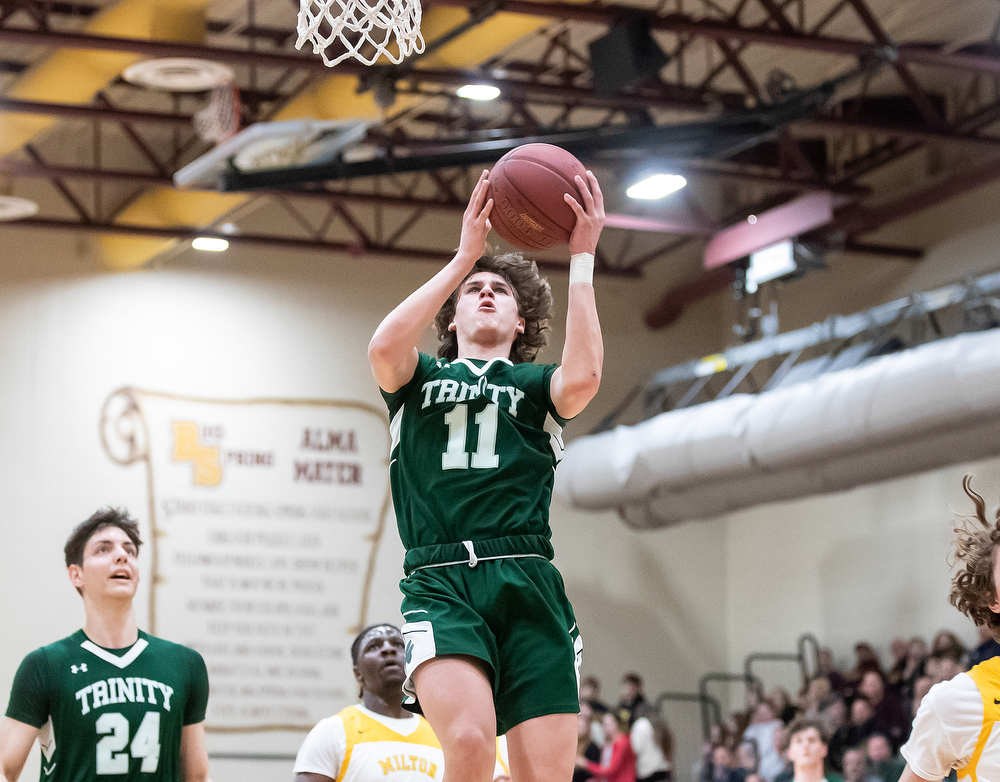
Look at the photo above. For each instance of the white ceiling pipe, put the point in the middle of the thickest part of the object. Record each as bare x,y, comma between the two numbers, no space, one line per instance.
917,410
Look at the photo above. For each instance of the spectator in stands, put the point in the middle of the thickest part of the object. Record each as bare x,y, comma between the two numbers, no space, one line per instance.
586,747
862,721
916,653
653,745
762,729
885,764
617,758
891,716
719,766
590,691
932,668
867,662
856,767
988,647
735,725
946,639
815,697
780,745
920,688
916,656
826,669
950,663
838,728
784,709
807,750
631,694
748,759
894,677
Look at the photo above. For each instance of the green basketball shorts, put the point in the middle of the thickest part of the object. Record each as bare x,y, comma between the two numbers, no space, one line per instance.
512,613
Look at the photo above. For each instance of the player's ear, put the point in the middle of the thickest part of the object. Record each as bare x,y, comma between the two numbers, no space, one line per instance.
520,325
452,326
75,573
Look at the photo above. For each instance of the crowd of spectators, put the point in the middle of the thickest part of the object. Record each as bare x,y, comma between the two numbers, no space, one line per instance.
863,716
853,721
625,743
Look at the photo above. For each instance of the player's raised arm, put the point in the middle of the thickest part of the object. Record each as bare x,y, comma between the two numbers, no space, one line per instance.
578,377
393,348
16,740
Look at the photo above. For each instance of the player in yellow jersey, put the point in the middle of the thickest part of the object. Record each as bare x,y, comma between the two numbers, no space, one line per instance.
955,726
375,739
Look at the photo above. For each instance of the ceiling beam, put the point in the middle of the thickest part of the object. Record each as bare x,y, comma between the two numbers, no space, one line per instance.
787,37
726,30
710,169
81,111
47,171
665,95
186,233
857,220
900,131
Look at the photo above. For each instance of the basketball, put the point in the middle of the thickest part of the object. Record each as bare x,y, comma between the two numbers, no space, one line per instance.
527,187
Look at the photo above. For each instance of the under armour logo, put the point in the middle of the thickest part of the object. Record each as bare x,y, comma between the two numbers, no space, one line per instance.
409,651
81,668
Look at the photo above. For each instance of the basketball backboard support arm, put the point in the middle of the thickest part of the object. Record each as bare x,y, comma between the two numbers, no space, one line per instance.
272,145
725,136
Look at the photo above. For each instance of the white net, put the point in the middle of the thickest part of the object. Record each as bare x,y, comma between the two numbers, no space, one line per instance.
391,27
220,119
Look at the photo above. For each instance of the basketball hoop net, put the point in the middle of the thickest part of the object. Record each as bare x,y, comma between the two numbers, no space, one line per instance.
355,23
220,119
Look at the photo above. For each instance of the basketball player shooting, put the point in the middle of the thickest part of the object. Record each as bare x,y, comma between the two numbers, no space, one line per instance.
491,640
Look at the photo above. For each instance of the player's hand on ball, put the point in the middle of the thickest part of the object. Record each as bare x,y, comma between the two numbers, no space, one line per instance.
589,216
476,220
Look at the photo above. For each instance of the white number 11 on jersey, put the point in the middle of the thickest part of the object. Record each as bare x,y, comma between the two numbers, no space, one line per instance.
485,456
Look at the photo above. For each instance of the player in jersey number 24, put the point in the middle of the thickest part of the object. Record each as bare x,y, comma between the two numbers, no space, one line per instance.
109,702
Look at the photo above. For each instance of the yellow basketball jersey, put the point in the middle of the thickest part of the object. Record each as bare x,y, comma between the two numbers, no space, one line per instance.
986,675
377,752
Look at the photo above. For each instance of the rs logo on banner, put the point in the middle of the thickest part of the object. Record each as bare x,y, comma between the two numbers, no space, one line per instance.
204,458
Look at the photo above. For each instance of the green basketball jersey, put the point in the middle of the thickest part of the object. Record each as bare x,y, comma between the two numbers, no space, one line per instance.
474,448
112,714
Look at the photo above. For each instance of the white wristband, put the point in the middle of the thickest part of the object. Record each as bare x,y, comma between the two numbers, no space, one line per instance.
581,268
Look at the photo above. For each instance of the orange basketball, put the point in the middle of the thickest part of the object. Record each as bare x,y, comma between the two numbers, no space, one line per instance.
527,186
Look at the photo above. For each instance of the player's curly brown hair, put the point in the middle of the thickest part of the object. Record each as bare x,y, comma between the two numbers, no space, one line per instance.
534,304
973,589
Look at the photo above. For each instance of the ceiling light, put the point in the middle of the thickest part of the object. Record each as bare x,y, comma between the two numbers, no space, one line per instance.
479,92
210,244
179,74
656,186
16,208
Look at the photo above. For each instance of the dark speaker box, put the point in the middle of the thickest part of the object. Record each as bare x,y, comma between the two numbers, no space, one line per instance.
624,55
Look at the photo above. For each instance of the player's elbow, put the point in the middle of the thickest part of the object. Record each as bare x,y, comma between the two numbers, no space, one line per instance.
378,348
382,355
577,394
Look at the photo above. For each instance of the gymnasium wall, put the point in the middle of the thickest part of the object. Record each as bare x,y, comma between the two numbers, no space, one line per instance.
257,325
869,564
671,604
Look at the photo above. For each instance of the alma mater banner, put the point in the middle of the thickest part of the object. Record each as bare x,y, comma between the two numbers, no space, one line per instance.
265,519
